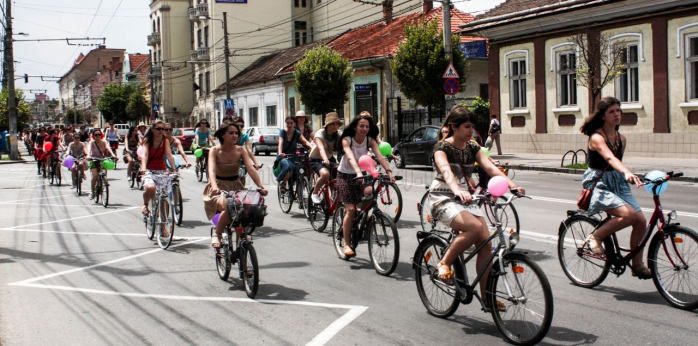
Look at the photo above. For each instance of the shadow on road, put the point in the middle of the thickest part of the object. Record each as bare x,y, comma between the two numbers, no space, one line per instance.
278,292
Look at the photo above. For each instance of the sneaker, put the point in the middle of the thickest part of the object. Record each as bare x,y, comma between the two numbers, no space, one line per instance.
92,195
72,186
316,198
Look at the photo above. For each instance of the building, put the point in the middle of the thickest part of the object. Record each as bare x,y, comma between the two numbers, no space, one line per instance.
82,85
533,74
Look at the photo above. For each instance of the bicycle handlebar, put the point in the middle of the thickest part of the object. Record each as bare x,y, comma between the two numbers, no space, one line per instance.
669,176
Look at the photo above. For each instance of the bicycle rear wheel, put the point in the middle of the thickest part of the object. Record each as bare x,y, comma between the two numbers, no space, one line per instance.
428,222
529,310
437,296
132,182
672,266
58,177
166,223
305,189
222,256
580,264
318,214
285,197
200,170
383,244
51,175
178,204
105,191
390,201
78,182
150,219
337,235
98,190
250,270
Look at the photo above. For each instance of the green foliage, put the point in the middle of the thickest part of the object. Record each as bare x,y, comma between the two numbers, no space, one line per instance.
582,165
23,111
71,113
420,62
137,106
115,100
481,109
323,78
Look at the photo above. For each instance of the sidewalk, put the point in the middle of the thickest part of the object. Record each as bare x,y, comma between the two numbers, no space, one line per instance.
639,165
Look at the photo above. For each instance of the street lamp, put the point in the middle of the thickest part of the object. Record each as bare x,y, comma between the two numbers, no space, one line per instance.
226,51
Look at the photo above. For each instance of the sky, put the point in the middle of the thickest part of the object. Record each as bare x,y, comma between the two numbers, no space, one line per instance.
124,24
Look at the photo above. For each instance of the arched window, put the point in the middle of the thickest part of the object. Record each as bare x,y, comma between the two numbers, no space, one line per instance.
159,27
155,28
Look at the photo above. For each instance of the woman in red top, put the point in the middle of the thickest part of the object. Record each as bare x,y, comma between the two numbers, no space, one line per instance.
155,148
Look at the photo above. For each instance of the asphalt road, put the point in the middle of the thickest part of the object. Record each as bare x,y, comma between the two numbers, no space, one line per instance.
74,273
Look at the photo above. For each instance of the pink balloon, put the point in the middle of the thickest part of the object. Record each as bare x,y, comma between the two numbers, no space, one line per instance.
139,152
498,186
215,219
367,164
48,146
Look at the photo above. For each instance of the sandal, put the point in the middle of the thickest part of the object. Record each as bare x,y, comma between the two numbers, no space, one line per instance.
348,251
215,241
595,244
641,271
446,274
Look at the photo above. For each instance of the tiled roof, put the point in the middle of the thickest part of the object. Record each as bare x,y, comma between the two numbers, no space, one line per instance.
135,60
265,68
514,6
381,39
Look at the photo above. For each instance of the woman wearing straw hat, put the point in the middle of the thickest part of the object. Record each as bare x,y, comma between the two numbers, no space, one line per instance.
302,125
322,155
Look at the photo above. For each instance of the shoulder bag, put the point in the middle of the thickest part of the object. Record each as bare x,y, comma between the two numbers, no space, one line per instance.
585,198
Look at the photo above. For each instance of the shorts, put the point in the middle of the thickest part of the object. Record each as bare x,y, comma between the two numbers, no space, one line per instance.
316,165
149,179
94,165
348,191
114,145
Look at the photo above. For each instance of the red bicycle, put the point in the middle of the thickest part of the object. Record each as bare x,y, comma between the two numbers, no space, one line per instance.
672,251
319,214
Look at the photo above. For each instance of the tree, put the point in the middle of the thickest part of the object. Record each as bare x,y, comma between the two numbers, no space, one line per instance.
599,62
137,106
23,111
121,103
74,116
323,78
481,109
420,62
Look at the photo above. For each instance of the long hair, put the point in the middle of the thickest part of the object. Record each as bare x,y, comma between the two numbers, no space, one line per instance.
457,116
131,131
199,123
223,129
350,131
595,122
150,135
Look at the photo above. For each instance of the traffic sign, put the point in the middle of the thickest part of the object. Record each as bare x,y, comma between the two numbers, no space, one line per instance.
451,86
229,112
450,72
156,108
229,104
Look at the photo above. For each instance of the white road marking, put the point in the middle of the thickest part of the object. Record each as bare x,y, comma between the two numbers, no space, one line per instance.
74,233
34,199
76,218
567,201
57,205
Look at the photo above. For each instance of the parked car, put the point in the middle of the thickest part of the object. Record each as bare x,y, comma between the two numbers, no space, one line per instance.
122,129
416,148
185,136
264,139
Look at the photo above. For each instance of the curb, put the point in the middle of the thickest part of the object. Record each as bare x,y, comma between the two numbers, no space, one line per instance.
7,162
581,171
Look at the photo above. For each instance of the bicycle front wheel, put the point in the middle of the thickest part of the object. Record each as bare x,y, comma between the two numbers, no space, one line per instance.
200,170
250,270
581,265
305,189
390,201
166,224
318,214
222,254
671,259
105,192
178,204
383,244
150,219
78,182
525,315
285,197
337,235
437,296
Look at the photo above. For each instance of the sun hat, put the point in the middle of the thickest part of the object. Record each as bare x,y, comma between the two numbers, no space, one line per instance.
332,118
141,124
301,113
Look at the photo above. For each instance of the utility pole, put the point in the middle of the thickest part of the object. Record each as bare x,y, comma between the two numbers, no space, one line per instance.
151,76
226,51
11,98
446,9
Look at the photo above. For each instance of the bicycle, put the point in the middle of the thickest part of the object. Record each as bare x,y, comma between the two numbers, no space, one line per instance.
389,194
162,214
302,187
102,185
672,250
526,315
78,175
370,224
176,197
54,171
241,251
202,165
135,178
319,214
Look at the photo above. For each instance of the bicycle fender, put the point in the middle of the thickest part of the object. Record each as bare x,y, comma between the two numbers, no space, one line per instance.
434,236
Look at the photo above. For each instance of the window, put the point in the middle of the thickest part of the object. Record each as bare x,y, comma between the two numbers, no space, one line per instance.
271,116
416,135
296,3
628,84
298,38
567,79
241,112
198,38
292,105
485,91
432,134
206,36
312,34
518,83
208,83
201,85
305,37
254,121
300,25
304,3
692,67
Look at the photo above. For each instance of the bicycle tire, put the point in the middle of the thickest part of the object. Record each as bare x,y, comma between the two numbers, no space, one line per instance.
318,215
383,233
58,177
149,220
78,183
50,176
98,190
167,219
438,297
390,202
200,170
285,198
306,189
428,222
178,204
105,192
337,236
222,257
247,265
132,181
577,260
668,278
526,321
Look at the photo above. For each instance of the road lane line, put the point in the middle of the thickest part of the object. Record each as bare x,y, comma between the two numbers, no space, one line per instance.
69,232
567,201
33,199
58,205
336,326
76,218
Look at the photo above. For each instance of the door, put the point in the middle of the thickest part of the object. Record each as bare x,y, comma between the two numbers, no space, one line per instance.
412,146
424,148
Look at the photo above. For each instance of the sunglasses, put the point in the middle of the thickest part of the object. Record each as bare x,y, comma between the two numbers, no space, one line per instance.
97,134
168,130
158,128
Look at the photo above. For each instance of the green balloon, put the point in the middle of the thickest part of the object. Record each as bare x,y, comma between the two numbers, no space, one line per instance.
198,152
108,165
385,148
485,150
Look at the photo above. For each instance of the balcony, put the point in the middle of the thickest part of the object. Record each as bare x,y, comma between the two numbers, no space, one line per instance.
200,10
192,14
202,54
156,71
154,39
193,54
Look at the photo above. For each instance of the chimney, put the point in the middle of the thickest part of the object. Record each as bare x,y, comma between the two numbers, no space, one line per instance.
427,6
388,11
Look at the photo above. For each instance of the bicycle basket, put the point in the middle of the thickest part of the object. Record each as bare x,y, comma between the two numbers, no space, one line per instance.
247,208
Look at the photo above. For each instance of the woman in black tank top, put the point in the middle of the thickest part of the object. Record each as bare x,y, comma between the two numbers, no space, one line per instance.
612,192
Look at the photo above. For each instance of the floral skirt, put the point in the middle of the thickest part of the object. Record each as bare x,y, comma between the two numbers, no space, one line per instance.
349,191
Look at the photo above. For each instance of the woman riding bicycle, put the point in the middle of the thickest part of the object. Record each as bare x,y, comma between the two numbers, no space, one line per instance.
289,138
39,149
131,143
156,148
359,136
322,155
97,148
223,167
175,144
612,192
302,125
454,163
202,136
245,142
52,155
77,149
112,135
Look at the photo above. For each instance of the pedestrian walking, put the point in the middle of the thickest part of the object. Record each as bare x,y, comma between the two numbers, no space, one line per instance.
494,133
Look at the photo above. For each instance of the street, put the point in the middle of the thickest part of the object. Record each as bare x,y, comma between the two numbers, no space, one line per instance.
73,272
